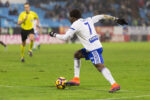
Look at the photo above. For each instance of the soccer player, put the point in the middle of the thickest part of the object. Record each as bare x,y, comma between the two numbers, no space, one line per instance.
26,20
37,31
85,31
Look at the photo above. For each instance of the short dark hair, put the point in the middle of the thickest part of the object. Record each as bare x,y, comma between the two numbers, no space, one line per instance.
75,13
26,3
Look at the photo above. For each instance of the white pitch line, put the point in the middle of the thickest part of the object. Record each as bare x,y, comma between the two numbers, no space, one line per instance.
10,86
124,97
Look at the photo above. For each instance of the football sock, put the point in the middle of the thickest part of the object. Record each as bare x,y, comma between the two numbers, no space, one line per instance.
107,74
22,51
30,45
35,44
77,63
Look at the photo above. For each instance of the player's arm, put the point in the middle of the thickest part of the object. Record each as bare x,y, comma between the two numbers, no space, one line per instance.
38,21
108,17
37,18
69,34
40,29
65,37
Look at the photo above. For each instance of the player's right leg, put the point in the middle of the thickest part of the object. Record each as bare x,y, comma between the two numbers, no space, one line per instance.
24,35
22,50
77,62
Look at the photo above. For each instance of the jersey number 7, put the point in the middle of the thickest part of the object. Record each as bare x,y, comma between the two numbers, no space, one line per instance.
88,27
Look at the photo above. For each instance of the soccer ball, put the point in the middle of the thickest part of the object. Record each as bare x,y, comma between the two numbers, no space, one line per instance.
60,83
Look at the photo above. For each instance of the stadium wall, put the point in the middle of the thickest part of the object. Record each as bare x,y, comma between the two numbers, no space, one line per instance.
15,1
120,34
107,34
16,39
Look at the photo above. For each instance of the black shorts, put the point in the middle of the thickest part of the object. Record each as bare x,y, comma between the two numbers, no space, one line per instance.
25,33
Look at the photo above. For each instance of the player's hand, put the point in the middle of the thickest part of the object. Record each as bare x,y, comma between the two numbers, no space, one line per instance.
121,21
26,18
52,34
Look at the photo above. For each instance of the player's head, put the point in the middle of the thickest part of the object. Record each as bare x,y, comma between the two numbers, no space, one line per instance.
74,15
27,7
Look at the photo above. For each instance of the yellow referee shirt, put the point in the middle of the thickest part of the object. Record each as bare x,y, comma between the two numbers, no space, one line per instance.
28,24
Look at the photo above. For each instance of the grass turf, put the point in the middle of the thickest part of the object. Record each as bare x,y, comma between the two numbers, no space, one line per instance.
34,79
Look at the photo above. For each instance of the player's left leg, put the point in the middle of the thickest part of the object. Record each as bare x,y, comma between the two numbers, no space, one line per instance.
23,50
31,37
77,62
38,42
107,74
35,42
24,35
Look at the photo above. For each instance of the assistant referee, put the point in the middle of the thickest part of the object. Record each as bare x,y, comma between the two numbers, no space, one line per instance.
26,21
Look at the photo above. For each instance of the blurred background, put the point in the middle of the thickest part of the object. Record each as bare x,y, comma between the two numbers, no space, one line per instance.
53,15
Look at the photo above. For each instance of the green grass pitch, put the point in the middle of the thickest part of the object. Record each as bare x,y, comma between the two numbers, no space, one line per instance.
34,79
